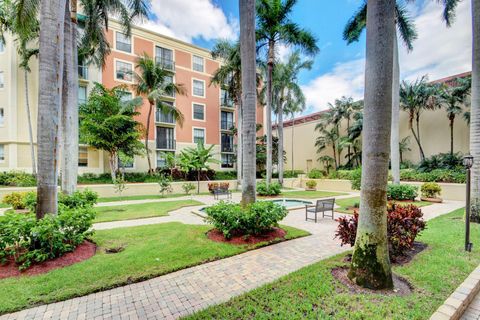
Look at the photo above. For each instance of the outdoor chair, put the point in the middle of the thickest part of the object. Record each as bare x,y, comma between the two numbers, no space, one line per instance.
221,192
323,206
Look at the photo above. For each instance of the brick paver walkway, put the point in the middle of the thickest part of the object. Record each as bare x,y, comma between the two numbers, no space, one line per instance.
473,310
189,290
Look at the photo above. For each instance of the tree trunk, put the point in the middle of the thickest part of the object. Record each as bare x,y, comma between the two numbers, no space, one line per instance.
280,143
370,265
348,148
249,99
293,135
417,137
475,104
49,102
198,181
268,124
147,149
395,135
69,136
239,142
335,155
29,118
113,161
452,121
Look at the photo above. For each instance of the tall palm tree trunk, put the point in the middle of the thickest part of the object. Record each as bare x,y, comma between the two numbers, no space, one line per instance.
69,136
370,265
271,57
417,137
249,99
475,104
147,149
293,135
29,118
239,142
452,121
280,143
49,101
395,135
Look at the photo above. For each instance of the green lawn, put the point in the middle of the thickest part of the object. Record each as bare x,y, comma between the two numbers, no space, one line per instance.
145,197
313,293
150,251
309,194
143,210
344,204
4,205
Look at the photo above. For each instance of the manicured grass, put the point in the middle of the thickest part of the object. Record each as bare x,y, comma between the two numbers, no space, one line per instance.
313,293
143,210
344,204
4,205
149,251
309,194
146,197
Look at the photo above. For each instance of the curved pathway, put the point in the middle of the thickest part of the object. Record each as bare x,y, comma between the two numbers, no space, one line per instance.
186,291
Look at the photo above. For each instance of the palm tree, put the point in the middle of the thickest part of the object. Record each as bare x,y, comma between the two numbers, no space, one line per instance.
453,99
152,82
229,77
197,159
249,99
370,266
404,147
407,32
287,91
275,27
327,137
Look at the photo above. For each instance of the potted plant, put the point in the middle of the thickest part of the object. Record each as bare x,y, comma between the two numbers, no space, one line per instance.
311,185
430,192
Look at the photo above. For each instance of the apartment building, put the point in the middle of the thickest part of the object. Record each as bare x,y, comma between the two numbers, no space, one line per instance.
209,113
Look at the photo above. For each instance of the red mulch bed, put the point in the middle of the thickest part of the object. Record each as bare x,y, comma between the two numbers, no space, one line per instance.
275,233
83,252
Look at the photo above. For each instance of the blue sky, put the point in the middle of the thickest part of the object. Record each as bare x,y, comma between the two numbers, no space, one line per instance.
338,68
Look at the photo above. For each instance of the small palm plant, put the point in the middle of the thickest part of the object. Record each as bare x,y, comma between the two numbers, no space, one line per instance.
197,159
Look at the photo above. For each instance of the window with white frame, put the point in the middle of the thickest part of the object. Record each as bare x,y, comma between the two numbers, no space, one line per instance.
126,96
162,158
198,111
124,71
2,46
199,135
2,117
2,80
2,152
123,42
82,156
198,63
164,57
227,160
198,88
82,94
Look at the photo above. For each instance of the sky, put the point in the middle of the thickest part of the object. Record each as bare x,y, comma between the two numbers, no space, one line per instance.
338,69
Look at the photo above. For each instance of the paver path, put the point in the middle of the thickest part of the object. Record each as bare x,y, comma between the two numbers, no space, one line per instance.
189,290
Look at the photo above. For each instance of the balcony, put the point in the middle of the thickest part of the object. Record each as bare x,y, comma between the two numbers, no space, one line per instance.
166,64
166,144
226,125
162,117
83,72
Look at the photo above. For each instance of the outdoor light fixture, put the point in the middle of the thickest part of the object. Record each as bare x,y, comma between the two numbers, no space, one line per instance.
468,163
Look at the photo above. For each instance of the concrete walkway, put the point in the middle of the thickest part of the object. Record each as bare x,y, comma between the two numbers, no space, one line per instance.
186,291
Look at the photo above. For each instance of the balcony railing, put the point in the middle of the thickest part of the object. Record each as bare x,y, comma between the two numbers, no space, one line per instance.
226,125
166,64
166,144
225,101
227,148
164,117
83,72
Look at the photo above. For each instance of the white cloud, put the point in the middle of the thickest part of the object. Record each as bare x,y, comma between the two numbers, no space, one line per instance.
439,52
186,19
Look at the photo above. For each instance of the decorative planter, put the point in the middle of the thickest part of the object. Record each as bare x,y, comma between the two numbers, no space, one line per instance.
434,200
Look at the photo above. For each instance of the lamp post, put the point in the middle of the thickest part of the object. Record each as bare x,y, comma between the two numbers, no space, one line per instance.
468,163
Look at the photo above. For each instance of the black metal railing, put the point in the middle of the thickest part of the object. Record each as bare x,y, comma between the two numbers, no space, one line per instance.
167,144
226,125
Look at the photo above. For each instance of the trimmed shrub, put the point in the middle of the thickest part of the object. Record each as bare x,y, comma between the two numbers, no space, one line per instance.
356,178
430,190
315,174
311,184
437,175
231,219
273,189
17,179
15,199
401,192
225,175
404,223
79,199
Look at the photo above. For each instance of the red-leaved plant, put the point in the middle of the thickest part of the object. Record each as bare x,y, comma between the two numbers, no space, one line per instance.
404,223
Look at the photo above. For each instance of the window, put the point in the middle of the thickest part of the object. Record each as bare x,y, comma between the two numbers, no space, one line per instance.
82,156
199,135
226,119
227,142
198,111
2,80
164,114
168,80
198,63
2,46
2,117
165,138
198,88
124,71
2,152
227,160
161,158
82,94
126,96
164,57
225,100
123,43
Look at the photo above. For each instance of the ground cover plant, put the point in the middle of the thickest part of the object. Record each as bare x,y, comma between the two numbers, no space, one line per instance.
313,293
139,211
149,251
273,189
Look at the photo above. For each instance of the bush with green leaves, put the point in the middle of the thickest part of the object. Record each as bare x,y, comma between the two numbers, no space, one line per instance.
232,220
437,175
311,184
315,174
78,199
27,240
356,178
430,190
273,189
14,199
188,187
445,161
17,179
402,192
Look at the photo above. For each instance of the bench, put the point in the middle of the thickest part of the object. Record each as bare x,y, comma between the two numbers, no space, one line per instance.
323,206
221,192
